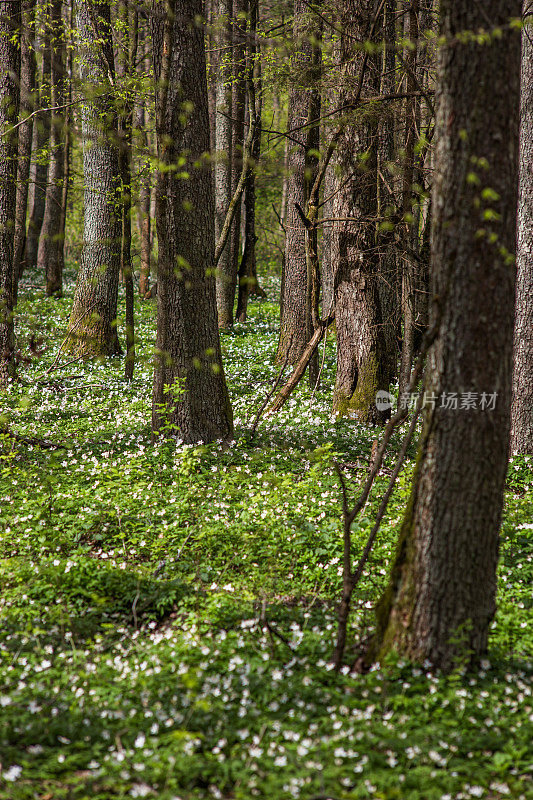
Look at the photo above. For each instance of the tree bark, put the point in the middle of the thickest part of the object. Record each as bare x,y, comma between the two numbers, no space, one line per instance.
247,267
127,55
409,230
361,357
302,123
145,178
93,318
41,142
240,8
389,279
50,253
522,409
441,597
25,137
223,160
190,397
10,28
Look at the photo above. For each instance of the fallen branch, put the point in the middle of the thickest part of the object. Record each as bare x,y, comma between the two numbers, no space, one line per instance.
31,440
271,392
301,366
67,337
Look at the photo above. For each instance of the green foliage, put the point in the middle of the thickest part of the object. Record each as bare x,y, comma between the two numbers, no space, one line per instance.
168,611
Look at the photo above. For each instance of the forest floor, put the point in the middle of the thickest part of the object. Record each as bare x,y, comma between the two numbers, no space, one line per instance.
167,612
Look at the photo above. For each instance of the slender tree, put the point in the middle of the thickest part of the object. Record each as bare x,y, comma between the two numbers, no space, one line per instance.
388,283
25,136
238,104
41,140
409,230
441,596
127,54
50,253
522,409
142,117
10,25
93,317
304,140
247,267
187,344
223,158
361,356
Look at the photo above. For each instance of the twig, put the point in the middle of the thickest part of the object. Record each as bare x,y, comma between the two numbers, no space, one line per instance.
350,579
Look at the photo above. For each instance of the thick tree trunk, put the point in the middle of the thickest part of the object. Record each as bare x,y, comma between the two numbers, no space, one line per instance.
196,406
40,149
302,123
93,318
361,357
25,137
223,160
441,598
50,253
522,409
10,26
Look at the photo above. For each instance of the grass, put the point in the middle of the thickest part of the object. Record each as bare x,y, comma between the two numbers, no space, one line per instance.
168,611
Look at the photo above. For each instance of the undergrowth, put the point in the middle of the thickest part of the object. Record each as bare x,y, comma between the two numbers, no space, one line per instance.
168,611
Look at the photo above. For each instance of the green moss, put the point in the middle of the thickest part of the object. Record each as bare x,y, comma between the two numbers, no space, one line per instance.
361,404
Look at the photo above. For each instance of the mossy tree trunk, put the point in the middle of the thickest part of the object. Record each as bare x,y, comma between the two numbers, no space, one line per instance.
301,163
93,318
10,27
187,344
441,597
361,356
522,409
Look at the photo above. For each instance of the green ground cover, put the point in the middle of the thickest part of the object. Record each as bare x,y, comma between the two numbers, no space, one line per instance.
167,612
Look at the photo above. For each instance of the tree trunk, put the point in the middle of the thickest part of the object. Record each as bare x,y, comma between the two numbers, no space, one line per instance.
223,163
127,55
409,231
303,127
41,141
522,409
25,137
145,181
68,125
10,28
93,318
361,358
190,398
247,268
441,597
389,279
50,253
228,280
